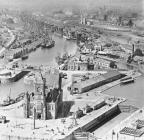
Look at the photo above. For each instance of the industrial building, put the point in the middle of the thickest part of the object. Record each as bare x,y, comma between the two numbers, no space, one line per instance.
85,84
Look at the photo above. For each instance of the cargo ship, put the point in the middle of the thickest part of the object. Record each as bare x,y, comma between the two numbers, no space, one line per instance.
126,80
11,75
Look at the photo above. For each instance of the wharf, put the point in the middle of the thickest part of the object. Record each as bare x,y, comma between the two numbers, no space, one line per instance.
17,53
54,129
130,122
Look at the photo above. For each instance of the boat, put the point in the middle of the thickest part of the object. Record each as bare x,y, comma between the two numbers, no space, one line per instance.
66,37
24,57
126,80
48,44
10,101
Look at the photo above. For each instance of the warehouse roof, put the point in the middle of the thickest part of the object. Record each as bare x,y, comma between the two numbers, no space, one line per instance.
97,79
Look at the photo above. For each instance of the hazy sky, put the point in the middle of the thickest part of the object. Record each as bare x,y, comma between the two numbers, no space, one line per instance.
133,4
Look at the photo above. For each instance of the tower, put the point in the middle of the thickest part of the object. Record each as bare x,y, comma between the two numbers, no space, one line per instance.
39,100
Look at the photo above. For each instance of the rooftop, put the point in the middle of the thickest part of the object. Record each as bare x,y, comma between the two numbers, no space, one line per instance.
130,123
98,78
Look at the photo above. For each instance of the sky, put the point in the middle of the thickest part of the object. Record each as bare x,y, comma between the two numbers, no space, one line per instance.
133,4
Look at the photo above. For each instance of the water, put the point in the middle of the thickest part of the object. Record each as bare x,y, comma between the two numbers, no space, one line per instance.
134,92
39,57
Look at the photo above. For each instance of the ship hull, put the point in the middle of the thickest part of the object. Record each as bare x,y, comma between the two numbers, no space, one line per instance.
49,45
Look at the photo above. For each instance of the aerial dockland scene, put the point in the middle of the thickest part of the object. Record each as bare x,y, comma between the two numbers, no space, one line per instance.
72,70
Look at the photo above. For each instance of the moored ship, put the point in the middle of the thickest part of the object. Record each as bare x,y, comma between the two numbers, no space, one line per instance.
48,44
10,101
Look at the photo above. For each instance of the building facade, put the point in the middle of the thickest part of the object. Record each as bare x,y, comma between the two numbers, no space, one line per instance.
47,96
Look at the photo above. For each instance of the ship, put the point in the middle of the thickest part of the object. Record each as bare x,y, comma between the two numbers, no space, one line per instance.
11,75
48,44
10,101
66,37
126,80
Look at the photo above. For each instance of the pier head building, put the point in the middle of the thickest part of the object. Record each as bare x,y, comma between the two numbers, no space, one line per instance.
46,99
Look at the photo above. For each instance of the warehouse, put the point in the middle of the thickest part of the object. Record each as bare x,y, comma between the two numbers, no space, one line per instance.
87,84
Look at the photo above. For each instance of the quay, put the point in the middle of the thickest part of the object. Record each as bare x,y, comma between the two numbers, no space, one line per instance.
56,129
18,53
130,128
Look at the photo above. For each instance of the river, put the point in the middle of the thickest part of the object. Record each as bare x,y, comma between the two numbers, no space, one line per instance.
133,92
39,57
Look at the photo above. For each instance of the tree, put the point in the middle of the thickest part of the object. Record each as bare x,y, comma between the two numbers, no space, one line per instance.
112,64
138,52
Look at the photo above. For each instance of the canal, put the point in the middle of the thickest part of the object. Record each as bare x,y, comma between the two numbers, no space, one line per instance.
39,57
